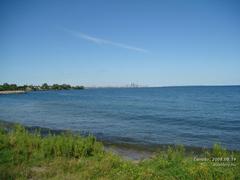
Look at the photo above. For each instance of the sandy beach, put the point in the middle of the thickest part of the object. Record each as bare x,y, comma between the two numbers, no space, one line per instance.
12,92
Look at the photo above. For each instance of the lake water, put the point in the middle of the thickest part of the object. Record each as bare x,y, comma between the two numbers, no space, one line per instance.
194,116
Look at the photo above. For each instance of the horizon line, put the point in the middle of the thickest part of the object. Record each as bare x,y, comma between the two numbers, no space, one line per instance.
121,86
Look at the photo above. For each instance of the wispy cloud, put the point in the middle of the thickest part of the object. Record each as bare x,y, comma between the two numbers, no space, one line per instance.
104,41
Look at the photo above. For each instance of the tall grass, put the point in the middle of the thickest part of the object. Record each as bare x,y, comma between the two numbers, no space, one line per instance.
25,155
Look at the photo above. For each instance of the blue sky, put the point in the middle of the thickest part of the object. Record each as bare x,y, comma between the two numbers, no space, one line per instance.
114,43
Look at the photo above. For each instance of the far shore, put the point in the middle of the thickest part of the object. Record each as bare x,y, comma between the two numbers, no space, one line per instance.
12,92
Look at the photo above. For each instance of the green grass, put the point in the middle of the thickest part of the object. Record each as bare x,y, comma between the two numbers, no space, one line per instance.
25,155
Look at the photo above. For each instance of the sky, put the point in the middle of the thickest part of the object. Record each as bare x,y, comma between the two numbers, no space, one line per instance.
115,43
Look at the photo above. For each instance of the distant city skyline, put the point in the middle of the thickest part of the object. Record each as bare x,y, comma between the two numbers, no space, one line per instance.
116,43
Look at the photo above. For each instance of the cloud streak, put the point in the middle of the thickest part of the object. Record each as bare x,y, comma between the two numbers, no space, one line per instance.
104,41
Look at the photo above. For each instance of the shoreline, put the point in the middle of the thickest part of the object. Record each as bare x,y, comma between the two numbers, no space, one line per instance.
13,92
127,151
28,155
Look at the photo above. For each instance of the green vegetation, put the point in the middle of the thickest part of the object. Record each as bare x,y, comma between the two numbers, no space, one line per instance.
45,86
25,155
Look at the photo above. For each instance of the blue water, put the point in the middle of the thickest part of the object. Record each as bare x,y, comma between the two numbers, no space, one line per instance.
194,116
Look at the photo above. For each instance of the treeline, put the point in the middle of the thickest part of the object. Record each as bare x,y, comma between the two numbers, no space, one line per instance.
45,86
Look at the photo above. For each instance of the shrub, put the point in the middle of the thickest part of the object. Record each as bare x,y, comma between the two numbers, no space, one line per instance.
27,155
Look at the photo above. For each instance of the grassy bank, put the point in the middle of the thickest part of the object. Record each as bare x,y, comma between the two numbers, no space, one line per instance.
25,155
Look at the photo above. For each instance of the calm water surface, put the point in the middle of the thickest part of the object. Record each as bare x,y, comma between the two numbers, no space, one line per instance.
194,116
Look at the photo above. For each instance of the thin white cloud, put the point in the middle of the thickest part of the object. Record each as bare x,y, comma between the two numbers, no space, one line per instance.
104,41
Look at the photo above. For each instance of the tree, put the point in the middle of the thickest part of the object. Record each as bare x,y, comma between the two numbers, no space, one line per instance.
45,86
55,87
